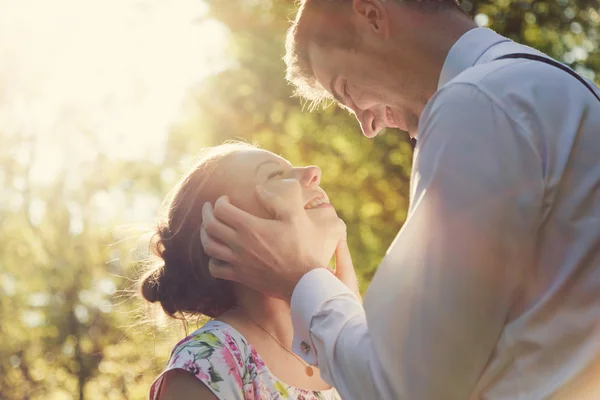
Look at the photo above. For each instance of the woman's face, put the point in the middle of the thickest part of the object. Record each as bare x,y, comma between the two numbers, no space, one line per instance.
298,186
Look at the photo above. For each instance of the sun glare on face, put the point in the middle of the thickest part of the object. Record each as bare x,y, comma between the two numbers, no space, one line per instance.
101,76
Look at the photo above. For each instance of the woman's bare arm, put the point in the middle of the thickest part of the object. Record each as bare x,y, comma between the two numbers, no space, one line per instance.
179,384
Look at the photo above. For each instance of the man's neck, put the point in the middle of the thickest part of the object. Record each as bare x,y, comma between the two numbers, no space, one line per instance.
422,43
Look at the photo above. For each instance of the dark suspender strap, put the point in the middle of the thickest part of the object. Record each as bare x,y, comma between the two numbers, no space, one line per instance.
554,64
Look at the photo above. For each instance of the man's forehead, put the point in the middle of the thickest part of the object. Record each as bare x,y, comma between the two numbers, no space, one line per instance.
324,72
325,78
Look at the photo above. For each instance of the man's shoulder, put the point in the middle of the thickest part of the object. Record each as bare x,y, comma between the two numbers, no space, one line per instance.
510,78
517,86
488,95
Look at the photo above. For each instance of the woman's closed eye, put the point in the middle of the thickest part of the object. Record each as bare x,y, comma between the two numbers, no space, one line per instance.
275,173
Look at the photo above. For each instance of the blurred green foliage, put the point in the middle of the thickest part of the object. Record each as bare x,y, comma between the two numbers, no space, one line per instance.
67,327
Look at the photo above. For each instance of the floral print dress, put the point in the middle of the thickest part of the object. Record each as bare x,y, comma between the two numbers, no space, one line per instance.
221,358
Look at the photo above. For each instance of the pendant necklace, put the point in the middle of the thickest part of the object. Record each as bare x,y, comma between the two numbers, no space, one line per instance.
308,369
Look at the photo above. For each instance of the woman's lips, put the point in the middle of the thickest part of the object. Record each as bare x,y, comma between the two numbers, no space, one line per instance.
324,205
317,202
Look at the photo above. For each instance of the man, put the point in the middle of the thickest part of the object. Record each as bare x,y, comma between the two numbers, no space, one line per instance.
491,290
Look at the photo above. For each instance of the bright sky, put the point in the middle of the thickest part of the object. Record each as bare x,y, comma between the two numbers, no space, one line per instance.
84,76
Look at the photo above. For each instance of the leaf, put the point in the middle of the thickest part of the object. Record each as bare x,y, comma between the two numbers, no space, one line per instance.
214,375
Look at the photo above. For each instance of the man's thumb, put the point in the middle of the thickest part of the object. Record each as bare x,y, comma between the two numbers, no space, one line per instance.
343,259
344,269
273,203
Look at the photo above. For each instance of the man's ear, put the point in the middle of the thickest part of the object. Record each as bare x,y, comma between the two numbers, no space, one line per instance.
372,15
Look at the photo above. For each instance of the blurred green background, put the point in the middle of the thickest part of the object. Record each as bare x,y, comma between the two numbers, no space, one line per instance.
103,104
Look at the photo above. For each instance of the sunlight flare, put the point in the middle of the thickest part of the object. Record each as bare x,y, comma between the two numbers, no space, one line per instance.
100,76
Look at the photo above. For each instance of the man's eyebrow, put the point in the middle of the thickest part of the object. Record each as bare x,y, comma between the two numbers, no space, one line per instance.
265,162
335,94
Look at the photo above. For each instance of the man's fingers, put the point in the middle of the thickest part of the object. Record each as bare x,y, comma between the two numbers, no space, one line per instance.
216,249
221,270
274,204
232,216
207,213
215,228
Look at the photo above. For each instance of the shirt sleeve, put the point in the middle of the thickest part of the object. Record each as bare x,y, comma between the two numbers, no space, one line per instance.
440,299
330,330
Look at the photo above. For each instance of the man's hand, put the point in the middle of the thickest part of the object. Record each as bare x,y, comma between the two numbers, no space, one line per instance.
270,256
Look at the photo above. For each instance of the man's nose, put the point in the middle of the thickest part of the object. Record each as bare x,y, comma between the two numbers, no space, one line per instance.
366,118
310,176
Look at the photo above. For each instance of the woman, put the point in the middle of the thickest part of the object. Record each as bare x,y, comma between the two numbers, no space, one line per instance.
244,351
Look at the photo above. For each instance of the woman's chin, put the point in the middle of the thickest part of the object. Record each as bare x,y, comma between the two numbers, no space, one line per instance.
327,220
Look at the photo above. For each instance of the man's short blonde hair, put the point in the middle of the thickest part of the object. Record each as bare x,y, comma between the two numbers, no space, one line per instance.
327,23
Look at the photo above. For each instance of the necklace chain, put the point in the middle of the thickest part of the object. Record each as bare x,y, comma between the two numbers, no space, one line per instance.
308,368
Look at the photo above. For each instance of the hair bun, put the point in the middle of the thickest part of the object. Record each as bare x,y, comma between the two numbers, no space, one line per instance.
150,286
164,233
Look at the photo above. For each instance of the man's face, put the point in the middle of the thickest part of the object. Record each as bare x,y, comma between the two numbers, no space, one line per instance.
357,80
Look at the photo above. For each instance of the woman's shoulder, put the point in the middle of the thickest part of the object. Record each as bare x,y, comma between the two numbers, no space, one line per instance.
221,358
214,350
216,355
210,341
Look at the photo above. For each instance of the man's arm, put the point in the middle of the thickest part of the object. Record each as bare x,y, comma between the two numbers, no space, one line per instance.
338,338
440,300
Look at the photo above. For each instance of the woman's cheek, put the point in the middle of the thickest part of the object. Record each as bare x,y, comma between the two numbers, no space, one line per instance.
288,189
248,202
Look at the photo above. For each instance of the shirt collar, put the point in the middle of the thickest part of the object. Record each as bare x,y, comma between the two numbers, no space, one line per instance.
467,50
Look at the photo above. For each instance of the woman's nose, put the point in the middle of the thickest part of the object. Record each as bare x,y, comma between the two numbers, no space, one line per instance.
310,176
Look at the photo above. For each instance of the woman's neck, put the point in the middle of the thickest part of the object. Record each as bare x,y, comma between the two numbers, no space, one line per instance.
256,314
269,313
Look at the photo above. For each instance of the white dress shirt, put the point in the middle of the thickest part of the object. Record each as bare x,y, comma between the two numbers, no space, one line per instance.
491,290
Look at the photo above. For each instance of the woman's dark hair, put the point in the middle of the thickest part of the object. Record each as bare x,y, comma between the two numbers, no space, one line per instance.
180,280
